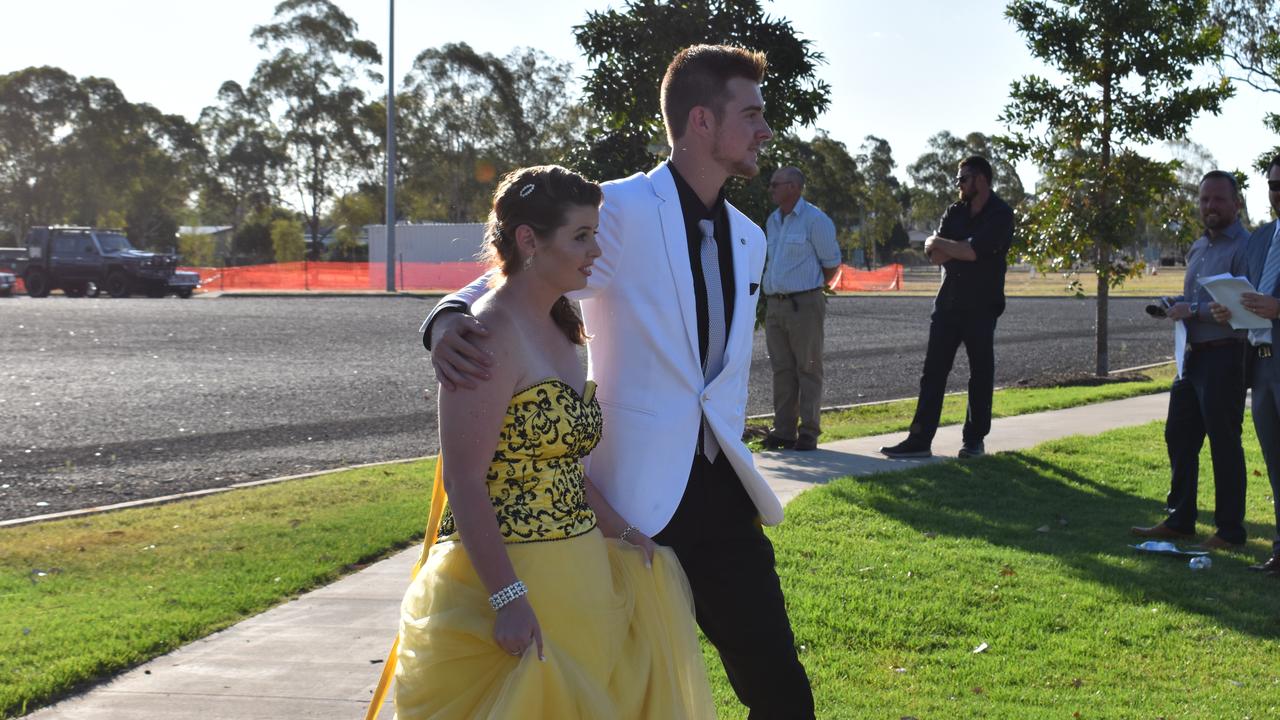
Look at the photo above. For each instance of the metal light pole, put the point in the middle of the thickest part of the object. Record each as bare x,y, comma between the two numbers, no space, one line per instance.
391,149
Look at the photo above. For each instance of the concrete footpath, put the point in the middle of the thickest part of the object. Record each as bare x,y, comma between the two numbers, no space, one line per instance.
320,656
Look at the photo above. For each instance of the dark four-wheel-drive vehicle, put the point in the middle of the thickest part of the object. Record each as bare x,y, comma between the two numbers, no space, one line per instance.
82,260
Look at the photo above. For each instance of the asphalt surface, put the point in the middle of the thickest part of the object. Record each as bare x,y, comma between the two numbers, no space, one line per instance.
104,400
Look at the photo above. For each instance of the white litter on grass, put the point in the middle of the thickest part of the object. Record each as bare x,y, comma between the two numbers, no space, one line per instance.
981,648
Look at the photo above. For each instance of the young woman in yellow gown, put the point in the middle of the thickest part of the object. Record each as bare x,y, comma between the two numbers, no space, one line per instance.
537,600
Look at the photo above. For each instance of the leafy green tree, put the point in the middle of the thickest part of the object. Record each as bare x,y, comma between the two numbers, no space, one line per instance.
311,86
77,151
883,199
933,175
470,117
629,51
197,250
245,156
1127,70
287,242
36,105
832,180
1251,40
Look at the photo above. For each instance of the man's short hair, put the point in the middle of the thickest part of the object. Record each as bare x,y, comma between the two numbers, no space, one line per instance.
1221,175
978,164
1275,162
793,174
699,75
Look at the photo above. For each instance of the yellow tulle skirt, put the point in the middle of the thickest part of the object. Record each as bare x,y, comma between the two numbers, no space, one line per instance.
618,637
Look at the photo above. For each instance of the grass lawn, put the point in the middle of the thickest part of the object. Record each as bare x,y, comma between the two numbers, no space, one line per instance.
1020,283
871,591
895,579
889,417
84,598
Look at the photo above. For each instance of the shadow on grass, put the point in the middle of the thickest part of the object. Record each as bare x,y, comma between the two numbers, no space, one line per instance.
1025,502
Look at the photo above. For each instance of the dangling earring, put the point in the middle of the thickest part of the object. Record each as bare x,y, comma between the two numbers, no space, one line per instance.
528,261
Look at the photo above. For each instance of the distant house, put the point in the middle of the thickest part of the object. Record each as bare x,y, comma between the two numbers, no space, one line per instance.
428,243
221,235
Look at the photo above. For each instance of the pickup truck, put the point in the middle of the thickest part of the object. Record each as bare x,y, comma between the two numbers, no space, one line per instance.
81,260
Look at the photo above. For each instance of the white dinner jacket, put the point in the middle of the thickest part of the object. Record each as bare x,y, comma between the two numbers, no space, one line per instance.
639,307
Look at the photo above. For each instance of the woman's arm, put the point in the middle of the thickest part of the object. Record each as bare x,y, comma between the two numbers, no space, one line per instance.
614,525
470,424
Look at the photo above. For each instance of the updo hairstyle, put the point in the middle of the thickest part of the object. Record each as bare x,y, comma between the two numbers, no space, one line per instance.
539,197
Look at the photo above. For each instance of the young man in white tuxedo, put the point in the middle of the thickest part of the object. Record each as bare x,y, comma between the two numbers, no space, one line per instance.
670,305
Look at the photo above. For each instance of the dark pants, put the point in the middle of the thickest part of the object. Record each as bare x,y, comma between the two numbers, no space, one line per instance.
1208,400
1266,421
976,329
736,592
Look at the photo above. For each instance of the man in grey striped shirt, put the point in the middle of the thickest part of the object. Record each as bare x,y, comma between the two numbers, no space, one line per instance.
802,257
1208,399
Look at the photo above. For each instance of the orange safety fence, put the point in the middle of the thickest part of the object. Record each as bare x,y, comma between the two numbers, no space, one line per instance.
448,276
337,276
888,277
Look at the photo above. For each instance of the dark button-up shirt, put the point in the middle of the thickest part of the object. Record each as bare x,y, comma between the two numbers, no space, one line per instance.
693,209
1213,255
976,284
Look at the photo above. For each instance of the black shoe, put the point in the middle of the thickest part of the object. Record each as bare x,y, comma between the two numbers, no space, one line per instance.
1271,565
773,442
806,442
909,448
972,450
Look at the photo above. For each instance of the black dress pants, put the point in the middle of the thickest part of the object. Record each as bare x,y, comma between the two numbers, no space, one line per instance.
976,329
736,593
1208,400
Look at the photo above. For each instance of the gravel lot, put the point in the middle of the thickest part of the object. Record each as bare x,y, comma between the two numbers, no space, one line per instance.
109,400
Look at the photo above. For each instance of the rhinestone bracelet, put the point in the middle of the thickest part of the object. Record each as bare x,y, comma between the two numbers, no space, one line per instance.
627,531
503,597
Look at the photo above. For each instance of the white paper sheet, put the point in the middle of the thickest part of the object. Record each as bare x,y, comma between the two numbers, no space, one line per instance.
1179,343
1226,290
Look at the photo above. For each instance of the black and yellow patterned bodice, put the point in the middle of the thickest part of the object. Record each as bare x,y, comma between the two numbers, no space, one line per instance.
535,480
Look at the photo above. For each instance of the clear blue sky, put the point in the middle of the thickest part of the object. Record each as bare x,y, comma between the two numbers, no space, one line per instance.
896,69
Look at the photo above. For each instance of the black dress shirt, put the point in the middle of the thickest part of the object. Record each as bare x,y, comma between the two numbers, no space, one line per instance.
693,209
976,284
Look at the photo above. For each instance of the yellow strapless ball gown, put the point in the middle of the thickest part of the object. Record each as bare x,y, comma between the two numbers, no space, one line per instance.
619,638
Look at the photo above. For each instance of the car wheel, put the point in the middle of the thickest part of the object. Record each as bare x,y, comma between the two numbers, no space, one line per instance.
75,290
37,283
6,292
118,284
185,293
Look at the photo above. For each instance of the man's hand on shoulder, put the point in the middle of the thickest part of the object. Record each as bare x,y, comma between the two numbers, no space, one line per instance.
455,355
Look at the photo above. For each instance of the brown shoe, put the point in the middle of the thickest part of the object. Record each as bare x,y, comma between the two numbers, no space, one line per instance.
1214,542
1271,565
1161,531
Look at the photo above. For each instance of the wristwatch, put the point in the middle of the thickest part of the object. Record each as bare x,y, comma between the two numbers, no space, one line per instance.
1195,309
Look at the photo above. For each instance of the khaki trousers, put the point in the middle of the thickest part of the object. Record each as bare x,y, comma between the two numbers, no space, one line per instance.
793,336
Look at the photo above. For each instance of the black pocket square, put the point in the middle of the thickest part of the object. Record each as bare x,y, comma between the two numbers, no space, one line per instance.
754,288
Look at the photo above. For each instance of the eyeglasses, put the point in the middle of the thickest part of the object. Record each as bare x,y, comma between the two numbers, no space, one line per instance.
962,179
1274,185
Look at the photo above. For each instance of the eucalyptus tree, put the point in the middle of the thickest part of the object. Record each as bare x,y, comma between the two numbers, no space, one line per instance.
628,51
312,86
933,175
1251,40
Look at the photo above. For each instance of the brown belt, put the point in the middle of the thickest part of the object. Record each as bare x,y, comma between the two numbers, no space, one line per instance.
1220,342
